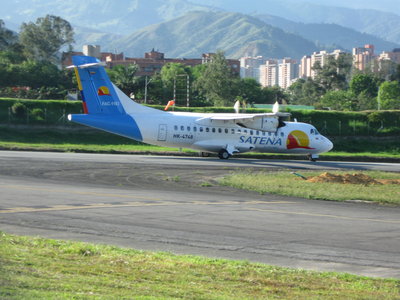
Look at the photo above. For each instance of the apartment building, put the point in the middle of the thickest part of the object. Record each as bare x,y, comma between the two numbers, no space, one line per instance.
308,62
363,57
250,67
269,73
288,71
393,56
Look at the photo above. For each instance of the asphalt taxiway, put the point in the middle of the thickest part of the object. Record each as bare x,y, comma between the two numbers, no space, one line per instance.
172,204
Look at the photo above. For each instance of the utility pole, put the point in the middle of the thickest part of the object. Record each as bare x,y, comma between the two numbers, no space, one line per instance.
145,88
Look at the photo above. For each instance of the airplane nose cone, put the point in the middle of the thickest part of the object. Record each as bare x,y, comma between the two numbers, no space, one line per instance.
328,145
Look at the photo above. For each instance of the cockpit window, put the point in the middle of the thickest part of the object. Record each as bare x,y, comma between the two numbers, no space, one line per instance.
314,131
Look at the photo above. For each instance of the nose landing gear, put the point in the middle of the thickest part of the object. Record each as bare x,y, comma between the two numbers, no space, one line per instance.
223,154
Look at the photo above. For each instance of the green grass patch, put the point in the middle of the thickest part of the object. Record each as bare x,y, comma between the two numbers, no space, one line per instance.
37,268
285,183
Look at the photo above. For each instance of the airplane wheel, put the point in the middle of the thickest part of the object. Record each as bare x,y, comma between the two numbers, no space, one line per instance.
311,158
223,154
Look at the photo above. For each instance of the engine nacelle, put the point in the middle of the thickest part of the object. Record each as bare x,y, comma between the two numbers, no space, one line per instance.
269,124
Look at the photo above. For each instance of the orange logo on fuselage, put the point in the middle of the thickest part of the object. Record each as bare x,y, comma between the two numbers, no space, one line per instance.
298,139
103,91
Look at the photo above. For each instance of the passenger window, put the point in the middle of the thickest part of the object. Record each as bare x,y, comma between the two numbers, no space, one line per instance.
245,131
201,129
207,129
257,132
233,130
176,127
182,128
239,131
194,128
263,133
251,132
269,133
219,130
226,130
213,130
188,128
282,134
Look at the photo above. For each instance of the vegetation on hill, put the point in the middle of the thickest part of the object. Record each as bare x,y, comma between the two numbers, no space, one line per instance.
202,32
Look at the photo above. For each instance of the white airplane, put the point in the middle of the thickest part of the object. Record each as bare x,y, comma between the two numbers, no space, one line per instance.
107,108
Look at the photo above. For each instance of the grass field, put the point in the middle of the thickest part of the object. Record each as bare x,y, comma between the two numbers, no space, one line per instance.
37,268
286,183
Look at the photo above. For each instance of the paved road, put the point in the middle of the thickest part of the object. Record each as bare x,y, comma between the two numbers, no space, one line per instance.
162,203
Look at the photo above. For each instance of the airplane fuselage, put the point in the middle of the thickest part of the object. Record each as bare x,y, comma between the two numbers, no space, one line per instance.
183,130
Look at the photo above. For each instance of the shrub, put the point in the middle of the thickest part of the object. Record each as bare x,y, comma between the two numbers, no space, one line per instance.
19,110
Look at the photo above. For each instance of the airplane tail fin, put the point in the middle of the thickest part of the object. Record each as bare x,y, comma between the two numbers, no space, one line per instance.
97,91
105,106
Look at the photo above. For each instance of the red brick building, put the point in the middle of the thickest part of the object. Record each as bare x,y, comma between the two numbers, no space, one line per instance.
152,62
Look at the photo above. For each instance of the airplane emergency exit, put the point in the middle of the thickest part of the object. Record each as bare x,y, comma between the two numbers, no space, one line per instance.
109,109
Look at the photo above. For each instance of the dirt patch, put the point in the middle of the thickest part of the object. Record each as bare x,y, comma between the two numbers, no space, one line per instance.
355,178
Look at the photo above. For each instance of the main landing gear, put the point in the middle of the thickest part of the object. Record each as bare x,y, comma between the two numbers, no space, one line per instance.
313,157
223,154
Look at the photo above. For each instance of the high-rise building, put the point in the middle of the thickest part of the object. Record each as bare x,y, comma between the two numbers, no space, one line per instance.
305,67
250,67
288,72
269,73
363,57
308,62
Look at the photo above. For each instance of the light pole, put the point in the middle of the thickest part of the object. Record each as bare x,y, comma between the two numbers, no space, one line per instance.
145,88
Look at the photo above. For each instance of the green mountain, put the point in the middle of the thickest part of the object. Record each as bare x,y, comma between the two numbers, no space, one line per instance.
201,32
330,36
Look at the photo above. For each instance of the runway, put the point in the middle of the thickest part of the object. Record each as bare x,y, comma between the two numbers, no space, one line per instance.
172,204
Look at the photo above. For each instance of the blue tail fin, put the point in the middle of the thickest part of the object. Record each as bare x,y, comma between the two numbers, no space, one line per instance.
103,103
98,93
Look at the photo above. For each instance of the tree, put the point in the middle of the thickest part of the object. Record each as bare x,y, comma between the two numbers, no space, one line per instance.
389,95
174,77
335,72
43,39
396,74
305,92
7,37
250,90
339,100
365,83
217,82
124,76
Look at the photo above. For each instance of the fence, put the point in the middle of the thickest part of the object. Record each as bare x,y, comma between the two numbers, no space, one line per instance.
330,123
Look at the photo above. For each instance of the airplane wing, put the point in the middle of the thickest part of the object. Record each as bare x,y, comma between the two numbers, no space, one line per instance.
264,122
238,118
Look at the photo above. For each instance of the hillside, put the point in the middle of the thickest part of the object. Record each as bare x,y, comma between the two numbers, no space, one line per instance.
200,32
329,35
119,17
383,23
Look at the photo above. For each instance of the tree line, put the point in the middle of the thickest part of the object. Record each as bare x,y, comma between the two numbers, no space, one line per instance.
30,68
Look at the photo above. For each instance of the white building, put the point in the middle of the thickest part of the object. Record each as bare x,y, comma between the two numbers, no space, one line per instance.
269,73
250,67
